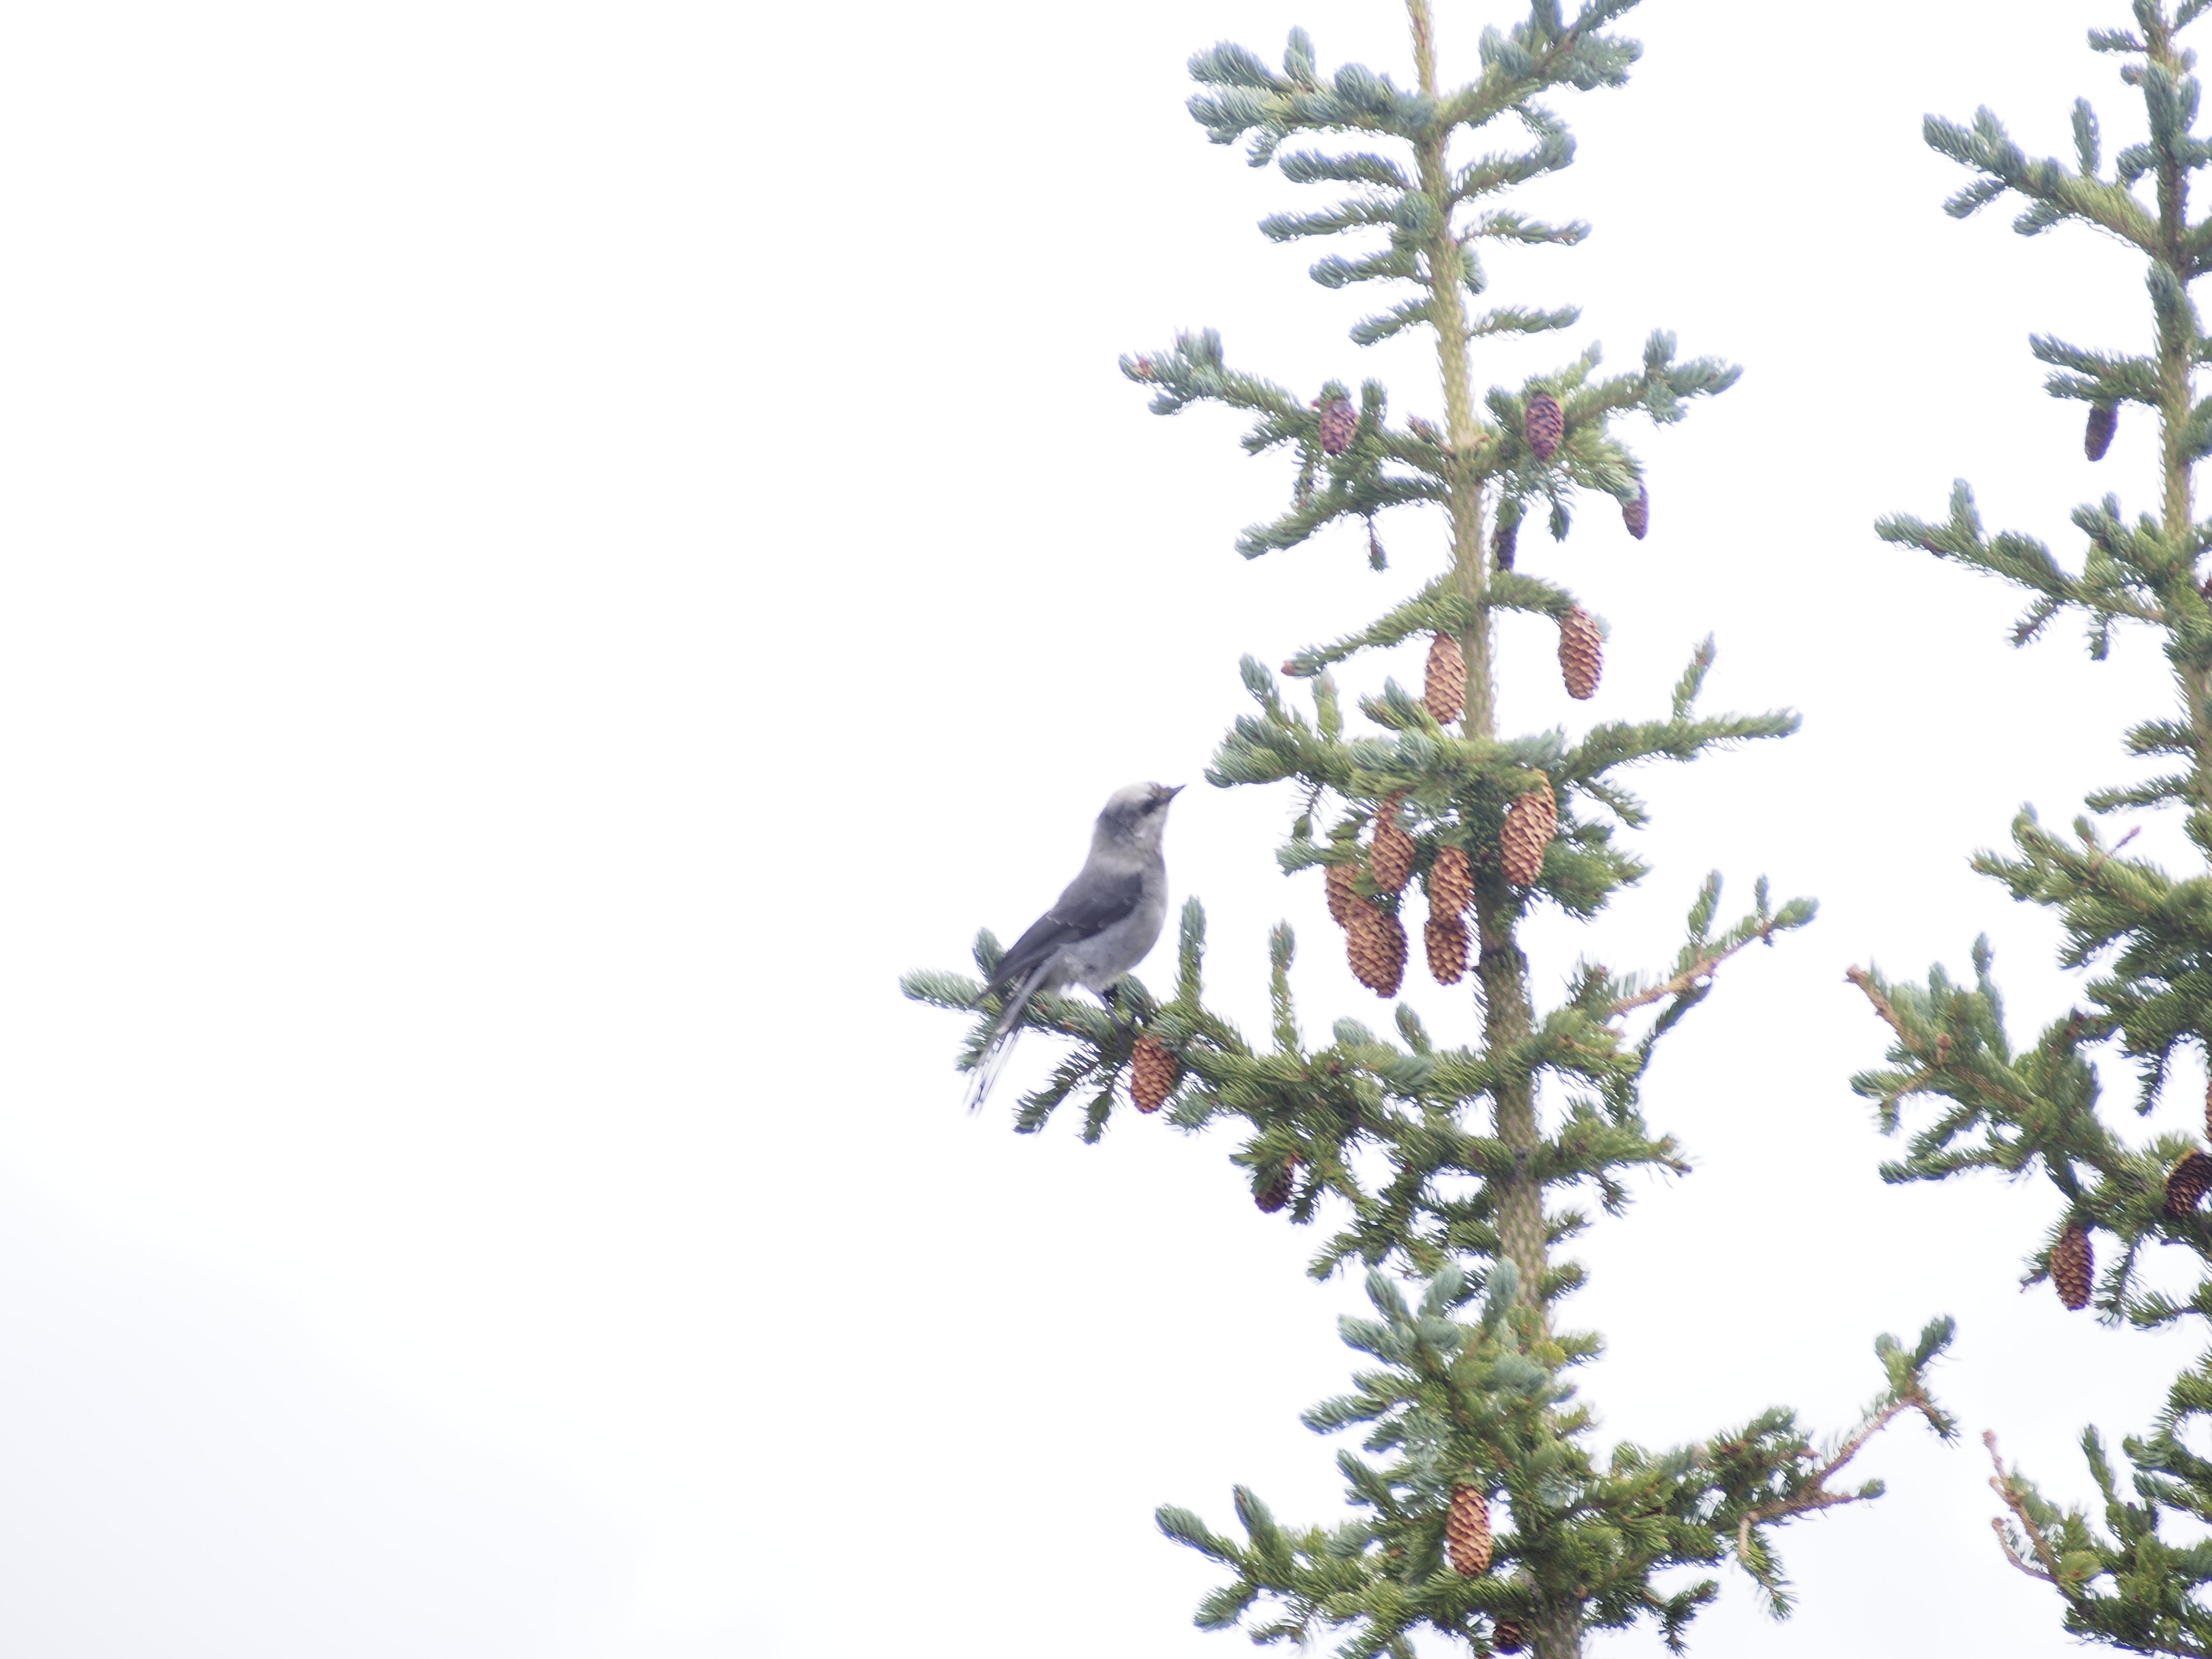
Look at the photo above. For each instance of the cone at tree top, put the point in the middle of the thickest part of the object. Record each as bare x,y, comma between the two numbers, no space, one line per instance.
2074,1266
1391,852
1338,423
1444,680
1375,945
1635,511
1505,1637
1544,425
1530,824
1343,892
1274,1191
1154,1072
1582,652
1445,937
2186,1183
1451,883
1467,1532
2097,436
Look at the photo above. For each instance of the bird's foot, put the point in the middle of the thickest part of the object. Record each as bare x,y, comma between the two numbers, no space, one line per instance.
1114,1008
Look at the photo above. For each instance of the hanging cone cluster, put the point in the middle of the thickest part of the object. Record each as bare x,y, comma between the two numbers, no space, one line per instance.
1446,938
1530,824
1338,423
1637,514
1376,945
1503,541
1443,681
1544,425
2097,436
2072,1266
1274,1191
1505,1637
1451,883
1343,893
2186,1183
1390,854
1467,1532
1582,653
1154,1072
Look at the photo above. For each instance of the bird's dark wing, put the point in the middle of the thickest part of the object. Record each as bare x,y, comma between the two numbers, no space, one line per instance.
1092,903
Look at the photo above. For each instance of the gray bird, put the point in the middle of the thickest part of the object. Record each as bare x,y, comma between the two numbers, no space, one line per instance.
1103,925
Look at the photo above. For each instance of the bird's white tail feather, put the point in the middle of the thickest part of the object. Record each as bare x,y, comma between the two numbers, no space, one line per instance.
1007,1028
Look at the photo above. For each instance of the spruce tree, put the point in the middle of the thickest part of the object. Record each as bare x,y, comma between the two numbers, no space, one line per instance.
1481,1509
2145,934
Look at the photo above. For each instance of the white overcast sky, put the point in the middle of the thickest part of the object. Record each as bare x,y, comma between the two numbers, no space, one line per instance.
553,549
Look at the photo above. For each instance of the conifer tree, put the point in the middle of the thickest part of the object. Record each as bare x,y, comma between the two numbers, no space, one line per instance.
1482,1511
2147,932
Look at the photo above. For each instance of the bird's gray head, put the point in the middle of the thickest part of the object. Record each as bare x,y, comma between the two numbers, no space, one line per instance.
1135,816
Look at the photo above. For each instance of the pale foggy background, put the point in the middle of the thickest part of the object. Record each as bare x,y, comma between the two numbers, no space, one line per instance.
552,550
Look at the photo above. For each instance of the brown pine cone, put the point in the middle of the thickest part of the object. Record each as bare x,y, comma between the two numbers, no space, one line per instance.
2073,1266
1530,824
1451,883
1502,542
1505,1637
1467,1532
1446,937
2097,436
1338,423
1582,653
1390,854
1375,944
1272,1193
1343,892
1154,1072
1637,514
1344,896
2186,1183
1443,682
1544,425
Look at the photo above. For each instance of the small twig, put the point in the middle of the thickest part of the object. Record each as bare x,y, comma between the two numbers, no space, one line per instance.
1685,982
1815,1497
1942,1058
2104,854
2002,1484
1864,980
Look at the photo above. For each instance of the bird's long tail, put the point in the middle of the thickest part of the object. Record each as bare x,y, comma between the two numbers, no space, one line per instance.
1004,1031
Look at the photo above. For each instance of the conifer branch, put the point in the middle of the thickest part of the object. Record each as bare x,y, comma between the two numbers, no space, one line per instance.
2042,1564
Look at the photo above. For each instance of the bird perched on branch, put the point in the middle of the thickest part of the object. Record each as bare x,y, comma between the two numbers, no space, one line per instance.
1103,925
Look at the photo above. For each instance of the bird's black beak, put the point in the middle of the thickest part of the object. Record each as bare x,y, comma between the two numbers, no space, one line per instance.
1167,792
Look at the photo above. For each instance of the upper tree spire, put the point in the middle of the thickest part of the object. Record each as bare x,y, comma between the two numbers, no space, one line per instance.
1462,1162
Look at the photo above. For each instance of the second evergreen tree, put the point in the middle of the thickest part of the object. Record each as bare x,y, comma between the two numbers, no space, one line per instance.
2145,930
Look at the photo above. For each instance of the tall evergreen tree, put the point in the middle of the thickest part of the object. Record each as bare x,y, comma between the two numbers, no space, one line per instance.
2145,934
1482,1509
